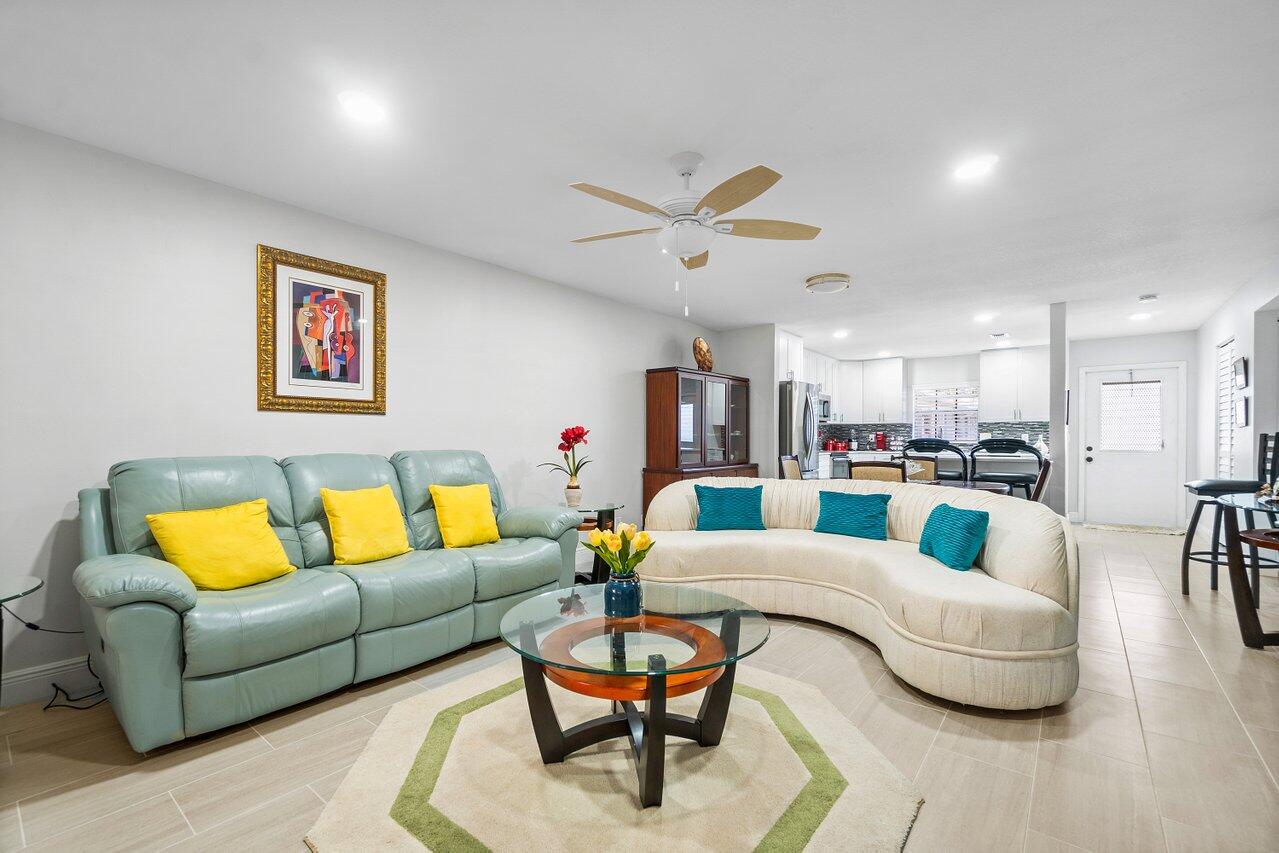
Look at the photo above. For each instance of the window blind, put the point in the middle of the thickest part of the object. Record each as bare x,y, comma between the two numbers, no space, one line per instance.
947,412
1226,410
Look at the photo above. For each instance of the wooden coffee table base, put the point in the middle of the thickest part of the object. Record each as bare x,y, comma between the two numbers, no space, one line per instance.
646,730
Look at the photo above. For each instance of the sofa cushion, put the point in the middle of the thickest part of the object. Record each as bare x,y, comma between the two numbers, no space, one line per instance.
970,610
509,566
365,525
849,514
233,629
306,475
142,487
224,548
465,515
410,587
729,508
954,536
418,470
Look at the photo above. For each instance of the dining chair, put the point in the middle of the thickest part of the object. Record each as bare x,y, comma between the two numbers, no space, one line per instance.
921,468
1206,492
935,446
891,472
1041,483
1012,446
788,468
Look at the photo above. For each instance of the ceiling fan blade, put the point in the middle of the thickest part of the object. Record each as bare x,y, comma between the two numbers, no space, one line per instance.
738,190
770,229
618,198
613,234
697,261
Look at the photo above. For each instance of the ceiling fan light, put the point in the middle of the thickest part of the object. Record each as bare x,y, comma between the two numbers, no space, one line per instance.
828,282
685,238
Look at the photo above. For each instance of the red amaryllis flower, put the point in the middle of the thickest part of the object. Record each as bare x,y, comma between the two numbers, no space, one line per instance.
570,438
574,435
565,446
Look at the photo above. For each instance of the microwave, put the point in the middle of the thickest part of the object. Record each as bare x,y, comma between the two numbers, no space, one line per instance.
823,408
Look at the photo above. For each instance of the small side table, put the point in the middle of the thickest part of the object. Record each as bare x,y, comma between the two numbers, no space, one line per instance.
10,589
602,517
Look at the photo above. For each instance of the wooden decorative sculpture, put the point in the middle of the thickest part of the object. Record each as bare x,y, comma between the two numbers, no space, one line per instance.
702,354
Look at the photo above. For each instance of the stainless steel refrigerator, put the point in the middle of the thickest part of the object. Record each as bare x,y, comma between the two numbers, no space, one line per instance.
797,423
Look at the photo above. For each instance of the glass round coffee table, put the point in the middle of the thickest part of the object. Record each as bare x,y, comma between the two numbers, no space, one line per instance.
687,639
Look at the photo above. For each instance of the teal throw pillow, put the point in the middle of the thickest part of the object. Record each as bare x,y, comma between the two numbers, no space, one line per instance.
730,508
954,536
846,514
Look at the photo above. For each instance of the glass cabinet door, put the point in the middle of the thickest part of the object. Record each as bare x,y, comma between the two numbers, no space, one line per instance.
690,420
738,423
716,422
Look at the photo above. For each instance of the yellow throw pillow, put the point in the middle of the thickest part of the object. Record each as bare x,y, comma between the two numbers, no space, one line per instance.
465,514
366,525
224,548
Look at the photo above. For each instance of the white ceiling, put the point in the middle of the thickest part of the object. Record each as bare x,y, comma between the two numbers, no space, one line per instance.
1139,141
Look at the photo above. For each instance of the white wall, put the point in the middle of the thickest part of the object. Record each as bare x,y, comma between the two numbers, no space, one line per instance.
942,370
130,298
1237,318
749,352
1134,349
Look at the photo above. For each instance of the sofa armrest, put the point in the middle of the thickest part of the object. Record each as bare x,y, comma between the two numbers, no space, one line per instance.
117,579
548,522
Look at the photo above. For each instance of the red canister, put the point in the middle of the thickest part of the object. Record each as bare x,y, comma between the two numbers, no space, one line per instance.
881,441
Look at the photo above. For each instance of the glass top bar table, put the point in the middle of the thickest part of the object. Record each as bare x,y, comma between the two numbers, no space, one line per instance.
1241,591
686,639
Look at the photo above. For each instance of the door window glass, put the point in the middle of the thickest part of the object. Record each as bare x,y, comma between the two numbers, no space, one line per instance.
716,420
1130,416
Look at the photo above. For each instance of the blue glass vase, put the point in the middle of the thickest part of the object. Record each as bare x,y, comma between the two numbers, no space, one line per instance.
623,596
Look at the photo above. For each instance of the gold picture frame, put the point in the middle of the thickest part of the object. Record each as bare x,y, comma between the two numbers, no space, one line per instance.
331,355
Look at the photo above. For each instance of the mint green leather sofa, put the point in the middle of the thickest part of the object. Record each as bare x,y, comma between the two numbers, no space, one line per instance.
178,661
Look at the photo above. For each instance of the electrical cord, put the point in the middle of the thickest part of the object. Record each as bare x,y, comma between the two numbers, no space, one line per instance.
33,626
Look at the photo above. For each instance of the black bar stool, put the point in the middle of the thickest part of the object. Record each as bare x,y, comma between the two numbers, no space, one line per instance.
1207,492
938,445
1025,482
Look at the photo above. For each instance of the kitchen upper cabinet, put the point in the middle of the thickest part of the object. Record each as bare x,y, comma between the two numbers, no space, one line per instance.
789,354
1014,384
1032,384
883,390
848,408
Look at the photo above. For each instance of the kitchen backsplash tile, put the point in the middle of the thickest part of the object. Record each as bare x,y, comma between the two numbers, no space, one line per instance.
899,434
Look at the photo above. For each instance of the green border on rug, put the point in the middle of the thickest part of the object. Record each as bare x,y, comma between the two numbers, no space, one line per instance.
792,831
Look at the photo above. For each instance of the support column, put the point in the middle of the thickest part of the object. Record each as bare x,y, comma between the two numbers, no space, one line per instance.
1058,382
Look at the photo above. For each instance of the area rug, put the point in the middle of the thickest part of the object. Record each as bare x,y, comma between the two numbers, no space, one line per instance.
457,768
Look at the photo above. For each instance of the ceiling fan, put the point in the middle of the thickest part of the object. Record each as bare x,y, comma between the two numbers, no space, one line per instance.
687,229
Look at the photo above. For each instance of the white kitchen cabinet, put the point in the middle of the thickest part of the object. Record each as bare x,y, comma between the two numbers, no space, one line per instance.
1014,384
1032,384
789,354
883,390
849,408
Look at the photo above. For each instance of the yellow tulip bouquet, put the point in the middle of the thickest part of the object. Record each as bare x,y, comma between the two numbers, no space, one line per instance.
622,549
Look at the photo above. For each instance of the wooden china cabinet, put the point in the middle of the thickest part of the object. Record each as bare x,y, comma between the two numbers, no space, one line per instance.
698,425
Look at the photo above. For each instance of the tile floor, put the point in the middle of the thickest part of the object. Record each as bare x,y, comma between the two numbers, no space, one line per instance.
1172,741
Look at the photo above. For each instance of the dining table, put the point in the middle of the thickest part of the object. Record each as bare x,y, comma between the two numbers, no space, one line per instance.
993,488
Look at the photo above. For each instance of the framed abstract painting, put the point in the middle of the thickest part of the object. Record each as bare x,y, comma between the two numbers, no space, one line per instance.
321,335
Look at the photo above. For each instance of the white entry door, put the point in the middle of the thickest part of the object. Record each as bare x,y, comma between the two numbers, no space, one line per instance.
1130,465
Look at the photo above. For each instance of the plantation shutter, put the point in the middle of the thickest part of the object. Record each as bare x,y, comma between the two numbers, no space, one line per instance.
1226,410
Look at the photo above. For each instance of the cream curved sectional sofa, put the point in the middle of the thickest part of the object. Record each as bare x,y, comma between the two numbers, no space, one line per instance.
1001,635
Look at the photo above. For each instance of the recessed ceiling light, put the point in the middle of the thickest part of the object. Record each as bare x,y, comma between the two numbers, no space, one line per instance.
839,333
998,335
976,168
828,282
361,107
882,354
1148,297
1002,344
984,318
1142,316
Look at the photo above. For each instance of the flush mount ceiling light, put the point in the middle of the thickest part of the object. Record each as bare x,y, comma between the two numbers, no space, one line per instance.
361,107
1148,297
1002,344
1141,316
882,354
998,335
976,168
839,333
984,318
828,282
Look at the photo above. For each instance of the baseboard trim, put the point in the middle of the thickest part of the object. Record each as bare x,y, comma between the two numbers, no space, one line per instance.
35,683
